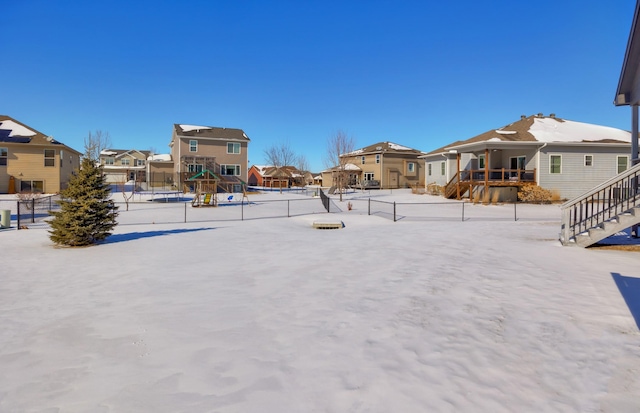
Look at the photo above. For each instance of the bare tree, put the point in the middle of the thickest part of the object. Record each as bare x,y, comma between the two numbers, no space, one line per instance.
340,147
95,143
279,155
303,167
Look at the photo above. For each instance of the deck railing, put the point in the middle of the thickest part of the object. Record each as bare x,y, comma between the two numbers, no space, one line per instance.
500,176
604,202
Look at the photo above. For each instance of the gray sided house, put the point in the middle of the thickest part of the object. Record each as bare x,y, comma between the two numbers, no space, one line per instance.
221,151
560,155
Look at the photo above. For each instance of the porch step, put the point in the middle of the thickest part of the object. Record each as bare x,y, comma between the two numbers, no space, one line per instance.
606,229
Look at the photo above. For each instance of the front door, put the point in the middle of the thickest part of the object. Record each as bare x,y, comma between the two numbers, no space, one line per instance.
393,179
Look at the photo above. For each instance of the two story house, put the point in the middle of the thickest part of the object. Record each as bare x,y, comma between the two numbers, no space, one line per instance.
381,165
222,152
31,161
124,165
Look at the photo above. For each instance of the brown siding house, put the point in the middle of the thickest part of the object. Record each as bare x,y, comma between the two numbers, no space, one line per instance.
31,161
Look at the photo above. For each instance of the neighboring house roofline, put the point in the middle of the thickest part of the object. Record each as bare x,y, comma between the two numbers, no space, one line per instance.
629,66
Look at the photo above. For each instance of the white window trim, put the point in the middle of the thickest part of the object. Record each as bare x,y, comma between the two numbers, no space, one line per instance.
378,158
443,168
411,167
585,160
362,160
237,171
193,143
551,164
618,163
234,144
429,169
481,161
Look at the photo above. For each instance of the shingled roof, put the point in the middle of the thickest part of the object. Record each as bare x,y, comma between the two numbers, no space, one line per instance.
384,147
545,129
211,132
13,131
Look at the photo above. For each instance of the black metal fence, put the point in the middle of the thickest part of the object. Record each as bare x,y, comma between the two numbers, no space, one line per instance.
35,209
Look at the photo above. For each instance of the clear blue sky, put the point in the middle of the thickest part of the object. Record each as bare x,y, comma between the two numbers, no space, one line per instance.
418,73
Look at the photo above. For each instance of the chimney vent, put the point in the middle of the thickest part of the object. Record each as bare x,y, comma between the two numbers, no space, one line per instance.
522,117
540,115
552,115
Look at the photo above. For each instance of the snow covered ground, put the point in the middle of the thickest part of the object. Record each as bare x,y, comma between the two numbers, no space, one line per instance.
271,315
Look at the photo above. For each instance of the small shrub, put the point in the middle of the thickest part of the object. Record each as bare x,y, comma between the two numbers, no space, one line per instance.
349,206
435,189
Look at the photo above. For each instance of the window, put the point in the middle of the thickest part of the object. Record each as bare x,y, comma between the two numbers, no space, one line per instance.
233,147
230,170
555,164
109,161
588,160
378,158
194,167
49,157
429,169
32,186
368,176
4,154
125,161
442,168
411,167
623,162
362,158
140,162
481,162
193,145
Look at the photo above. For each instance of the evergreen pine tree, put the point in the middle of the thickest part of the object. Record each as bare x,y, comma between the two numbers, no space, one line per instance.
86,214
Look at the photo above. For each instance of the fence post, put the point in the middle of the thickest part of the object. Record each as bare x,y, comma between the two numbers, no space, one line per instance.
242,210
463,212
185,212
369,210
394,211
18,215
288,209
515,211
33,210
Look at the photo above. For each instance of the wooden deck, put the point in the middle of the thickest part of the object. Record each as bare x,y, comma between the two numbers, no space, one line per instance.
465,181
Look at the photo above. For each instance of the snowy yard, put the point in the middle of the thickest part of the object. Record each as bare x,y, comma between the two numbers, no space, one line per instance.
271,315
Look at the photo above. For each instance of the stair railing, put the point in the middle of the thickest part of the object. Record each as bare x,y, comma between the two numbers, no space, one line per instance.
600,204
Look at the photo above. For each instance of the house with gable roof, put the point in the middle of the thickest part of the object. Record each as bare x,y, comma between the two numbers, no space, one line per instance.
31,161
381,165
564,156
124,165
221,151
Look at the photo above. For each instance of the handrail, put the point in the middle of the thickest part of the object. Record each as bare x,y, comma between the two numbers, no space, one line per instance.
631,171
604,202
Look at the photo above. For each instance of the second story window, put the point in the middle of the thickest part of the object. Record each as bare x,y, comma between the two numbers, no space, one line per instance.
125,161
49,157
362,160
109,160
4,154
140,162
233,147
555,164
442,168
429,169
193,145
378,158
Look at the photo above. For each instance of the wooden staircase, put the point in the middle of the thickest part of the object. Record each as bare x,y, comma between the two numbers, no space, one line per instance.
455,186
606,210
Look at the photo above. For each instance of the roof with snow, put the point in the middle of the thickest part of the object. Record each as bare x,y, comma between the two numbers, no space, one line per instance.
540,129
13,131
211,132
384,147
